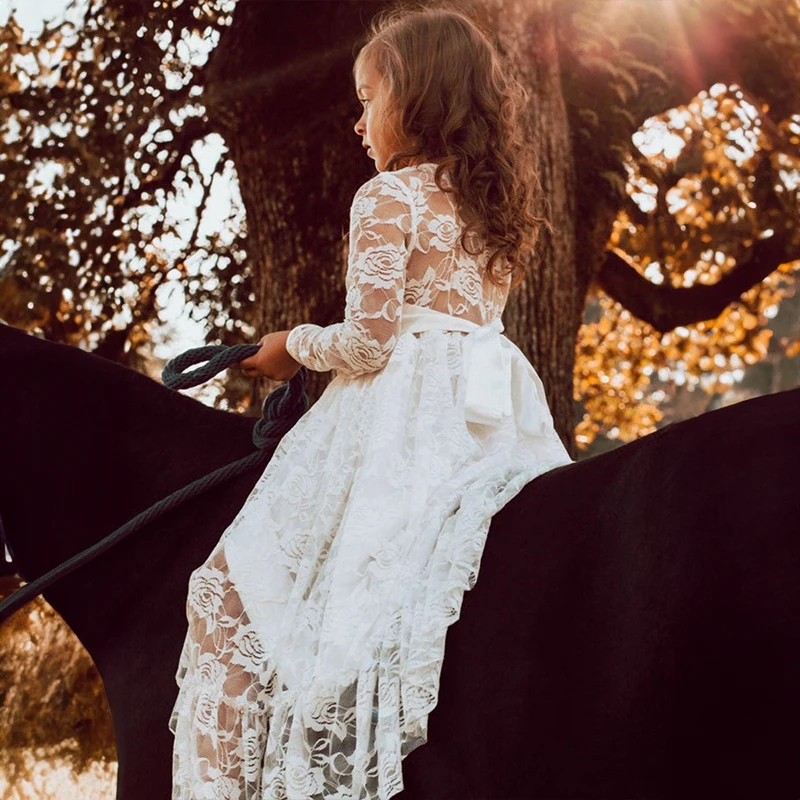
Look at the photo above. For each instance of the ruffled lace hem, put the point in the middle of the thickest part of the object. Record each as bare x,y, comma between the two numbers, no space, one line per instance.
346,740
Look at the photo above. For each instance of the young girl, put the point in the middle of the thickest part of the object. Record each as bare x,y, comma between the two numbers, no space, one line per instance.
317,625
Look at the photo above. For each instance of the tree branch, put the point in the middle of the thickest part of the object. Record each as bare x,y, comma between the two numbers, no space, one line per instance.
201,206
194,129
666,307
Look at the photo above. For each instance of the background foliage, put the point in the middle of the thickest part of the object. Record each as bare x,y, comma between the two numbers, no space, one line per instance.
705,185
52,704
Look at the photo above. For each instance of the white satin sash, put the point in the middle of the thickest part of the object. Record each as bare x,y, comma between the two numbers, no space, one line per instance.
487,361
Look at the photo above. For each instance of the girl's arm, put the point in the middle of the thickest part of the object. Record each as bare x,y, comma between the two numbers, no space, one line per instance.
382,236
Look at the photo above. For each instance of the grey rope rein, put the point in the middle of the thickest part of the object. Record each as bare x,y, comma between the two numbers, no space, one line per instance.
280,411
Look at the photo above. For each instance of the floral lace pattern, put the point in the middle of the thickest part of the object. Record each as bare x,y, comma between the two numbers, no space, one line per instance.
317,625
404,234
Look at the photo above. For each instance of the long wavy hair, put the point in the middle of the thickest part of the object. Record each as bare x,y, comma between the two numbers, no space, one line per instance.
452,101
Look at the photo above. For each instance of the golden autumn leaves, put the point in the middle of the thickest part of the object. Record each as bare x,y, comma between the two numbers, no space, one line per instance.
709,180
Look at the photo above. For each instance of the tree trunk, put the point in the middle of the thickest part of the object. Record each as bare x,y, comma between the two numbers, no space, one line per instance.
280,90
544,313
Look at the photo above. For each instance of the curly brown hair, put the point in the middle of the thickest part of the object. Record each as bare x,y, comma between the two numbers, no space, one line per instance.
455,103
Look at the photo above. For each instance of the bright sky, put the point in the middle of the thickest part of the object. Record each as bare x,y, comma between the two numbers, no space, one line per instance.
30,13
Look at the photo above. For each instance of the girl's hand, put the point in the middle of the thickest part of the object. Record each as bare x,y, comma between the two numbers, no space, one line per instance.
272,360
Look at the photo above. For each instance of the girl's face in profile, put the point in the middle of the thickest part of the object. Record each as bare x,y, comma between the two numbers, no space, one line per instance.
374,126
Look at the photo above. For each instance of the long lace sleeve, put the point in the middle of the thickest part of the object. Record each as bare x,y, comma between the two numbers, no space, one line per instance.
382,234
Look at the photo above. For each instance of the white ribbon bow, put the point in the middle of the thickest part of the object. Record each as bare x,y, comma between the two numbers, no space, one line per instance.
488,370
487,361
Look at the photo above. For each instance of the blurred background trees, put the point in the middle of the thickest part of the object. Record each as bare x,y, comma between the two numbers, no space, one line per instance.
173,170
53,710
709,223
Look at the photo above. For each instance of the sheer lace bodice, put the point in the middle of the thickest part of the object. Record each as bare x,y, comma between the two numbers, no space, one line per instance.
404,248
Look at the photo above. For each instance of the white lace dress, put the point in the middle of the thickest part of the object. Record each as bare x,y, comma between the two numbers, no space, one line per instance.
317,625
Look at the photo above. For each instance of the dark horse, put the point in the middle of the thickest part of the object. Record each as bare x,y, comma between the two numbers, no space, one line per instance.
635,629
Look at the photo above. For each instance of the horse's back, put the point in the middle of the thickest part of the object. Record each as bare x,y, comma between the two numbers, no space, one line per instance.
633,631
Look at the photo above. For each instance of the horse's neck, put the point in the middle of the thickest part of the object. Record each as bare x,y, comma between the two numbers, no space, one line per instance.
88,444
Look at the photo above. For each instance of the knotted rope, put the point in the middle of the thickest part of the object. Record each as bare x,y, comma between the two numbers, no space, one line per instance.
280,411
